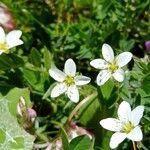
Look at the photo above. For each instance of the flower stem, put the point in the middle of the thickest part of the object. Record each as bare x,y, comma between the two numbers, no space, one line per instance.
79,106
134,146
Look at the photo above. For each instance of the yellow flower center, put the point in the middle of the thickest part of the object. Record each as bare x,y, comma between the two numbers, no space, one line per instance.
113,67
127,127
4,47
69,80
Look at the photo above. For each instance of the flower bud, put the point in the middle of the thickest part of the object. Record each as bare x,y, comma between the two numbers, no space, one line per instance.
75,131
21,106
31,114
6,18
147,45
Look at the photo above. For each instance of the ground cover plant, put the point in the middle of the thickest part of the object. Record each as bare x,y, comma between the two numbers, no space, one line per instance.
74,75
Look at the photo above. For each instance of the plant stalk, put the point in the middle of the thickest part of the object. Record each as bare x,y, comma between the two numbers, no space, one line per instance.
73,113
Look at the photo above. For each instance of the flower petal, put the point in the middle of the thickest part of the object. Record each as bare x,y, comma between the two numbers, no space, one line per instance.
2,35
119,75
137,114
124,112
99,64
1,51
57,74
73,93
123,58
103,76
116,139
58,90
136,134
82,80
70,67
111,124
107,53
13,38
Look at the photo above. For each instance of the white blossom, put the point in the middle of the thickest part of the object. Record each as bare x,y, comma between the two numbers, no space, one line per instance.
68,81
9,40
126,126
110,66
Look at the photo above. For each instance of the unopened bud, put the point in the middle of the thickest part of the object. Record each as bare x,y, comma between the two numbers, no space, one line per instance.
6,19
21,106
147,45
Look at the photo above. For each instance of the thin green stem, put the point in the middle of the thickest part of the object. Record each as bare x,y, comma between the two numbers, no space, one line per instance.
73,113
141,145
134,145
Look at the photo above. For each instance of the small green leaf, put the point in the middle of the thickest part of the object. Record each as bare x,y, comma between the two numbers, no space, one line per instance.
47,58
107,89
80,143
35,58
13,97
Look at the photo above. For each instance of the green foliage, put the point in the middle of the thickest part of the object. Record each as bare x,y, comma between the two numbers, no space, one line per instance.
53,31
80,143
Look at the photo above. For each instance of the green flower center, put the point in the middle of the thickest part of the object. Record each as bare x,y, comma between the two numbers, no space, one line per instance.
113,67
4,47
69,80
127,127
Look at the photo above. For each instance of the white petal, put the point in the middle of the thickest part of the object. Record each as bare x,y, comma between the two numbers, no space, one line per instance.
99,64
19,111
58,90
107,53
124,111
111,124
137,114
1,51
73,93
136,134
116,139
82,80
103,76
57,74
70,67
2,35
13,38
123,58
119,75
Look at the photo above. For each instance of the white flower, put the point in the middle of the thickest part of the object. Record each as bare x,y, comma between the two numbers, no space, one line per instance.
10,40
68,81
126,126
110,65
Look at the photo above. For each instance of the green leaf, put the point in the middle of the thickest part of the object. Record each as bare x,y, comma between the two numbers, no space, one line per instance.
36,79
13,97
35,58
145,85
89,110
47,58
107,89
10,61
13,136
80,143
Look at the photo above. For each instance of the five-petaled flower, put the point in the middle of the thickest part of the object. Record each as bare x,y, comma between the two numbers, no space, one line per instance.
10,40
68,81
110,65
127,126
